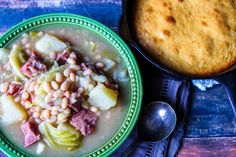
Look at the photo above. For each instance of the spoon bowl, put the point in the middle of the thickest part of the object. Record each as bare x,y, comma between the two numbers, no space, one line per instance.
157,121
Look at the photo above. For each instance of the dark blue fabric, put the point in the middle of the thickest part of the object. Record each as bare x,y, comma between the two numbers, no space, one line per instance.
176,93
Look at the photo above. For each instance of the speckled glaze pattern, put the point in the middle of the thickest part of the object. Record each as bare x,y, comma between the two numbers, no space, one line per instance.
113,39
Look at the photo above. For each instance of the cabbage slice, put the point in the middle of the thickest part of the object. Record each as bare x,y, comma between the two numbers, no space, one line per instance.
62,137
15,61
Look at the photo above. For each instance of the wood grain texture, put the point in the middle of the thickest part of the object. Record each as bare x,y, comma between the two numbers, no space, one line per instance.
12,12
211,125
208,147
210,114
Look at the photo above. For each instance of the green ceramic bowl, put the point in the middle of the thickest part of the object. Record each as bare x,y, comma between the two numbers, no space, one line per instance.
117,43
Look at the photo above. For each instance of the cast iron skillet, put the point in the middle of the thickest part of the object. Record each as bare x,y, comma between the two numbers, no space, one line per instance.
227,78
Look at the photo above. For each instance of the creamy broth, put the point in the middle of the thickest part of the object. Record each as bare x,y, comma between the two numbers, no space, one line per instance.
109,121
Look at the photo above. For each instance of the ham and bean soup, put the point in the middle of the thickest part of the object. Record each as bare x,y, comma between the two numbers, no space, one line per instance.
63,91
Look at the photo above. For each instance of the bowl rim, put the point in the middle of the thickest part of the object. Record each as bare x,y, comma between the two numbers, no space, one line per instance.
123,50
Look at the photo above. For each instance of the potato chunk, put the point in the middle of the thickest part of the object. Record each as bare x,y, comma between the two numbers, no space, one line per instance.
11,112
49,43
102,97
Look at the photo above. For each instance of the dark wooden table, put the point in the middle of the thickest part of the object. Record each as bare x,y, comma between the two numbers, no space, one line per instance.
211,125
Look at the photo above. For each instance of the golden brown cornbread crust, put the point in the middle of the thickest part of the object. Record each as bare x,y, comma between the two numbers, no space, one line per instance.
193,37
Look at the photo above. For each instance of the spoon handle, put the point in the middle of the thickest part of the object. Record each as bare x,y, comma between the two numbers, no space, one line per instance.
132,147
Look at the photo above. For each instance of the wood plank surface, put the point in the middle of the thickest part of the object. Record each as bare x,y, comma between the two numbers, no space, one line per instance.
211,125
210,114
208,147
107,12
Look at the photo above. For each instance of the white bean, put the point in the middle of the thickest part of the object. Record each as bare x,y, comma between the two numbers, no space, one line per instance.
38,109
25,40
54,85
59,77
41,116
61,110
29,113
47,87
37,120
64,86
48,97
4,87
58,94
36,114
62,117
53,119
97,57
25,95
71,61
17,99
67,94
88,72
28,51
53,55
48,106
27,84
36,86
25,35
31,86
64,103
99,65
80,90
46,114
75,67
66,72
28,45
32,109
73,95
93,109
54,112
67,111
55,108
72,55
28,105
72,77
40,34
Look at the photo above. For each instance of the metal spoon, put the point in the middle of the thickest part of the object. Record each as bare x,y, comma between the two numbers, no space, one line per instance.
156,123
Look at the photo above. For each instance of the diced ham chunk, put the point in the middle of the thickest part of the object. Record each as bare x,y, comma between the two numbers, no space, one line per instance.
77,104
111,85
14,89
30,132
84,121
33,66
63,56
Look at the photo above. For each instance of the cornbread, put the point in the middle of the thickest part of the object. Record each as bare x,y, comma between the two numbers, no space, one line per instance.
193,37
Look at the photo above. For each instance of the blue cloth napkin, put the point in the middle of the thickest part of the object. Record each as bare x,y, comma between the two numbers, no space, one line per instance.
204,84
176,93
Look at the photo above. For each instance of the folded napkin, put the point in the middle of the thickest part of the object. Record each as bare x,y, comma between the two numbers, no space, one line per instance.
174,92
204,84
